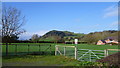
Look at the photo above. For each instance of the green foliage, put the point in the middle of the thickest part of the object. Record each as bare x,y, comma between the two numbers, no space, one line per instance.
9,39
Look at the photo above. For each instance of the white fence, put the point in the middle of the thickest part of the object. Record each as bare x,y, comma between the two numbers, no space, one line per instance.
81,54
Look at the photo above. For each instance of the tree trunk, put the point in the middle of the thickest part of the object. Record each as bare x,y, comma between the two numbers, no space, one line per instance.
6,49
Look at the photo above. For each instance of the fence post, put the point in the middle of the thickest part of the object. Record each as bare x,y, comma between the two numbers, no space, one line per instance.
50,50
90,55
16,49
28,48
55,50
6,49
64,50
106,52
75,52
39,49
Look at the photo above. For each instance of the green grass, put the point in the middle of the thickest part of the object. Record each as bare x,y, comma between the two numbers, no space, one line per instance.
45,61
48,60
81,46
97,47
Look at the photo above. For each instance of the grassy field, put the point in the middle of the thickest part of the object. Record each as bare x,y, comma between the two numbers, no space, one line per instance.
47,60
23,48
30,60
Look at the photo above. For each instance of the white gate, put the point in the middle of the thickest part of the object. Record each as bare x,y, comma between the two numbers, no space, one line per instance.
90,55
70,51
80,54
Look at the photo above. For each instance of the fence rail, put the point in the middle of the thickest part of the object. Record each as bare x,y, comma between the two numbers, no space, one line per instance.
19,49
113,49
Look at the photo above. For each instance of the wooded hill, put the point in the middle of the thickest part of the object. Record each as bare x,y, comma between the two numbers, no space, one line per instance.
95,36
62,36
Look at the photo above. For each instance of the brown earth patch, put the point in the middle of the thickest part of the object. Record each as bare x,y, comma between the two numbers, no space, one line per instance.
112,60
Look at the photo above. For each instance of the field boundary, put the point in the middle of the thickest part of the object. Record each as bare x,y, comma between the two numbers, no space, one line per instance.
27,49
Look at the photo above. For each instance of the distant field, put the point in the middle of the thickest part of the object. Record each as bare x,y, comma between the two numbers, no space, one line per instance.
34,47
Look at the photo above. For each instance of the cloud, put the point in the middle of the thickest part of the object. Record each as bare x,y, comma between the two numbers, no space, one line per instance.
28,35
111,11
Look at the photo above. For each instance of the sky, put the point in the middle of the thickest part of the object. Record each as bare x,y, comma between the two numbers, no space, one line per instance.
78,17
60,0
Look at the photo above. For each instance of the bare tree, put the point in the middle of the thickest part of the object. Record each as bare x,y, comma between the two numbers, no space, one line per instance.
12,21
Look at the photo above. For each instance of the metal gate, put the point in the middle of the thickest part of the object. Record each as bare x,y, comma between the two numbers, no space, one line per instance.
79,54
90,55
69,51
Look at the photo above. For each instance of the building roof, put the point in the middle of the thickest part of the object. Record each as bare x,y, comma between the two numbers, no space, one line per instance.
103,41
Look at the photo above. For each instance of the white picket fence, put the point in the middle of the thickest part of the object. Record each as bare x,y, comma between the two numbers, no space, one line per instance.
81,54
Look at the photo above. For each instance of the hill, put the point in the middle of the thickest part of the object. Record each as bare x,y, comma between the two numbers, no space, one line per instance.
55,35
95,36
92,38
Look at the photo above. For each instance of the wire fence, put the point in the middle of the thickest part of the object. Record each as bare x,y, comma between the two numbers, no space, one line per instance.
23,49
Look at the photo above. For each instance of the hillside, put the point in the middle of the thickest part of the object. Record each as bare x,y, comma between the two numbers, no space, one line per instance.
92,38
55,35
95,36
58,33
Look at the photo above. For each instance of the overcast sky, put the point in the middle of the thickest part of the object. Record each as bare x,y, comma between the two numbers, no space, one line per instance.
78,17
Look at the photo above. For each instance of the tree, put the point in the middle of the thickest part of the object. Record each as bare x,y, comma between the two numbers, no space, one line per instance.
12,21
35,37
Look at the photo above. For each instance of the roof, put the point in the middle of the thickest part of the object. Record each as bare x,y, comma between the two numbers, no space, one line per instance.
103,41
110,39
